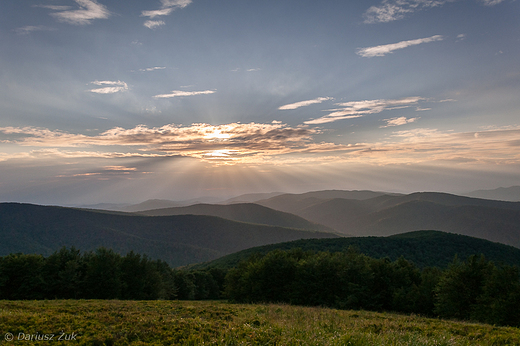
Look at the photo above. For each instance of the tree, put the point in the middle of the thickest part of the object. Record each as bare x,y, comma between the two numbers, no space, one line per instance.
63,274
21,277
499,302
460,286
103,275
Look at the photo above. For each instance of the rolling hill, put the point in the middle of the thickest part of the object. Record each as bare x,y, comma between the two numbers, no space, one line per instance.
294,203
502,193
424,248
497,221
178,240
243,212
251,197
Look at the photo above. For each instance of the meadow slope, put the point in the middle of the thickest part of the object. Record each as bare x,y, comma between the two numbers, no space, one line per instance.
220,323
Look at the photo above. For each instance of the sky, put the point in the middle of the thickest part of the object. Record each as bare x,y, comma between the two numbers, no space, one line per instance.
122,101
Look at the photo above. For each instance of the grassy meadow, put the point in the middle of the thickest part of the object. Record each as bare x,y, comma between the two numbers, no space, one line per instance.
101,322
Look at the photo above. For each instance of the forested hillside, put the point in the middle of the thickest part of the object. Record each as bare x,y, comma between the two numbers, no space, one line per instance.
423,248
178,240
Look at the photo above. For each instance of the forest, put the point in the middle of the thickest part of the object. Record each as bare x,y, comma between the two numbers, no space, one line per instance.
473,289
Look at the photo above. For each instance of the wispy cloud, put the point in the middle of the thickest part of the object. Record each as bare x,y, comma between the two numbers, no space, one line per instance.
111,88
357,109
491,2
119,168
88,11
382,50
26,30
152,24
180,93
54,7
391,10
305,103
167,7
398,121
155,13
152,69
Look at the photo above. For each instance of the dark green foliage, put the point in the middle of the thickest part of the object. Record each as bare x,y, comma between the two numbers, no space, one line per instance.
460,286
425,301
21,277
140,277
499,302
102,278
472,290
103,274
64,273
478,290
423,248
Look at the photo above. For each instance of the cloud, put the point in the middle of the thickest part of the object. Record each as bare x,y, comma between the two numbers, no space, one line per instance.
382,50
114,87
233,141
391,10
304,103
88,11
151,69
119,168
179,93
168,6
357,109
491,2
399,121
54,7
155,13
274,143
26,30
152,24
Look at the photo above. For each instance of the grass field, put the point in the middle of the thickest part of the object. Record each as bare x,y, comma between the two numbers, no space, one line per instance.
96,322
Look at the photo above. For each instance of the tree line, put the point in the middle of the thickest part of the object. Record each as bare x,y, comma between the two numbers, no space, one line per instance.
475,289
102,274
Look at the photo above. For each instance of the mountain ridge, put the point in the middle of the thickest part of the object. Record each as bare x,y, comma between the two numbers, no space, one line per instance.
179,239
243,212
390,214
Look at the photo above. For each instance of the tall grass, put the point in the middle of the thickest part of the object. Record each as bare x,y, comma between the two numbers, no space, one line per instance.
96,322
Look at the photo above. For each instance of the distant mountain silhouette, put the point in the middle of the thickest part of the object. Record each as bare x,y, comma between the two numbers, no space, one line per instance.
511,194
244,212
493,220
251,197
294,203
149,204
103,206
424,248
179,240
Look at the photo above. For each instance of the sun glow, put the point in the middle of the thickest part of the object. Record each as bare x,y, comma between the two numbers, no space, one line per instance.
217,134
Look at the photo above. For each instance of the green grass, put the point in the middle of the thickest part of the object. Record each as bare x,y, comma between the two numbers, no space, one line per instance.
219,323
